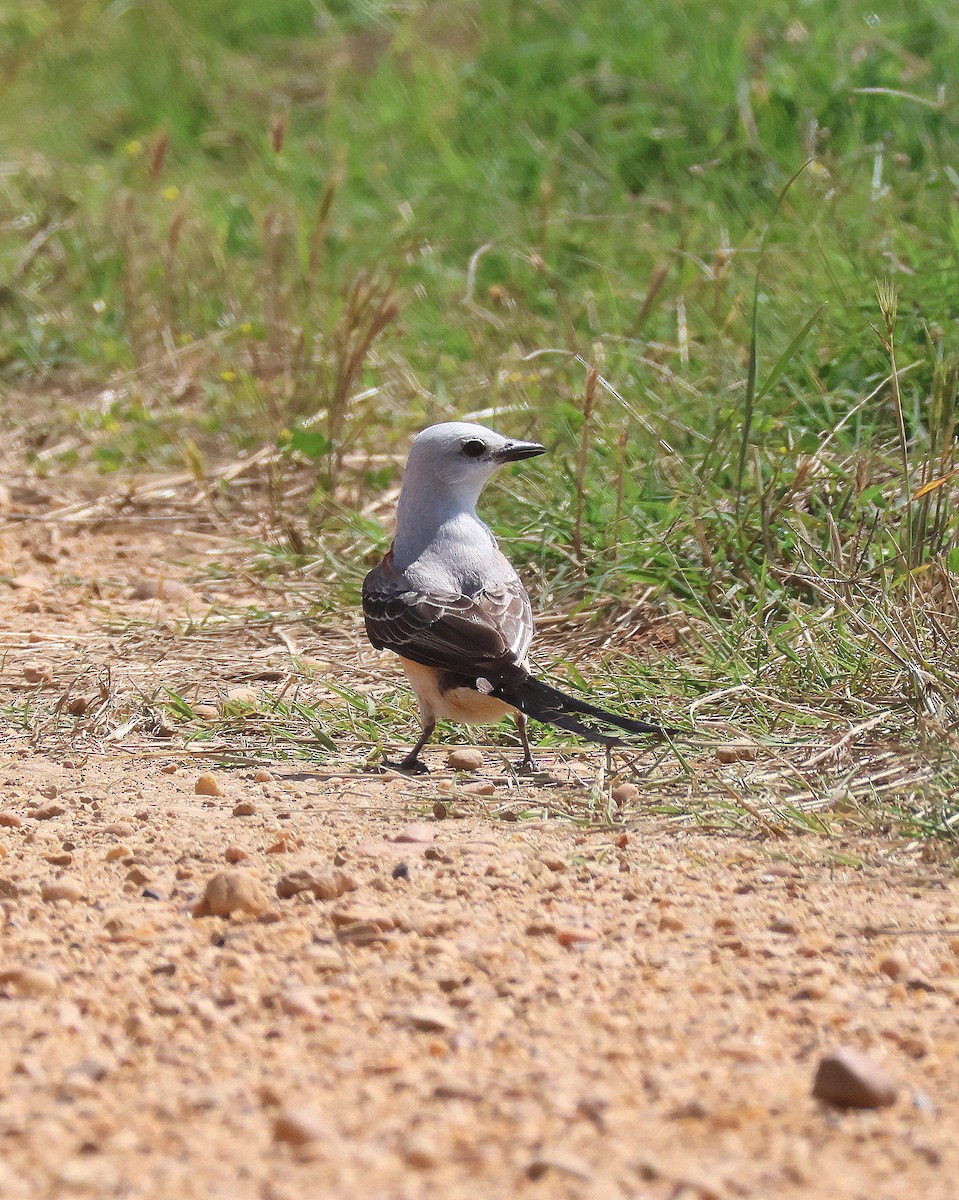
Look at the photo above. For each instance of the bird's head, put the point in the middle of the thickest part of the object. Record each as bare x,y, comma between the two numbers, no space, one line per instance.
458,457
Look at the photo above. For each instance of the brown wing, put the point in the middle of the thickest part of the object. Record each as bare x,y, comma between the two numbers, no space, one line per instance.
477,634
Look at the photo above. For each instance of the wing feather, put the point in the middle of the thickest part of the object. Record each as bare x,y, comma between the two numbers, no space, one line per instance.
480,634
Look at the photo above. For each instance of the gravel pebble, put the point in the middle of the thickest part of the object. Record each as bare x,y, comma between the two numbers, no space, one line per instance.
379,849
298,1127
465,758
10,820
419,1152
241,699
732,754
262,775
324,885
892,965
562,1163
299,1002
38,672
625,793
428,1018
245,808
419,833
324,958
573,935
120,829
207,785
232,891
47,811
28,981
67,889
480,789
849,1079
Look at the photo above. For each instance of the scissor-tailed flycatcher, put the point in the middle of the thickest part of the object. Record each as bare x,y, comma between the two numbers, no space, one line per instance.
450,605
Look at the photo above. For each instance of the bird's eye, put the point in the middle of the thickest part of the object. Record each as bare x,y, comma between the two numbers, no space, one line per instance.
474,448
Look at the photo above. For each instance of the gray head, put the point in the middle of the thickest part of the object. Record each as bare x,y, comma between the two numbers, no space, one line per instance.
445,473
458,455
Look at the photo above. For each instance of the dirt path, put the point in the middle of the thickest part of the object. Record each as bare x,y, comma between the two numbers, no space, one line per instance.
488,1007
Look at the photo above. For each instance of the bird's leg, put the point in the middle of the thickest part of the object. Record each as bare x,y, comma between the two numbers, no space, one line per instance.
412,761
528,764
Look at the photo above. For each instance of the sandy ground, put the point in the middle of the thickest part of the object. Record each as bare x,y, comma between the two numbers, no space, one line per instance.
449,1004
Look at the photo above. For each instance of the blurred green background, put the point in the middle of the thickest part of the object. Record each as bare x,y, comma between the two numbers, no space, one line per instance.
653,233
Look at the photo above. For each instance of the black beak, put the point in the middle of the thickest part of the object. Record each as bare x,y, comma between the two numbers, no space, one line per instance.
514,451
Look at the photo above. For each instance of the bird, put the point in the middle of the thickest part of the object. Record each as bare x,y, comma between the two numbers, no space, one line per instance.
448,602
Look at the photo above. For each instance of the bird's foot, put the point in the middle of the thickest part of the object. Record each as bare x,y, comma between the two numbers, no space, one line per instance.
527,766
409,766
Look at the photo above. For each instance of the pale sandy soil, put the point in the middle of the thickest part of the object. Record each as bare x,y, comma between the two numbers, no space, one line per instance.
522,1008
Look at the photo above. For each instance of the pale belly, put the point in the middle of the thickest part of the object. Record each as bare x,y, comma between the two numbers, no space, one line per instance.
457,704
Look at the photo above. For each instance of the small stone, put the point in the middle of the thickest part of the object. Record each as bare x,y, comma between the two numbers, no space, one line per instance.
783,870
120,829
139,876
235,854
47,812
849,1079
625,793
116,852
324,885
559,1161
324,958
689,1110
299,1002
418,1152
65,888
553,863
575,935
465,758
240,700
286,842
361,933
784,924
298,1127
428,1018
206,712
38,672
671,923
262,775
10,820
378,849
245,808
207,785
232,891
480,789
171,590
892,965
732,754
419,833
28,981
915,1045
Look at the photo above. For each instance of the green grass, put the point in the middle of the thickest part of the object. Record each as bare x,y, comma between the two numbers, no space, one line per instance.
708,252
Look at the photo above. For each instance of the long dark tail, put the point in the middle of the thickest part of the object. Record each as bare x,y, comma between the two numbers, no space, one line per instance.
544,703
